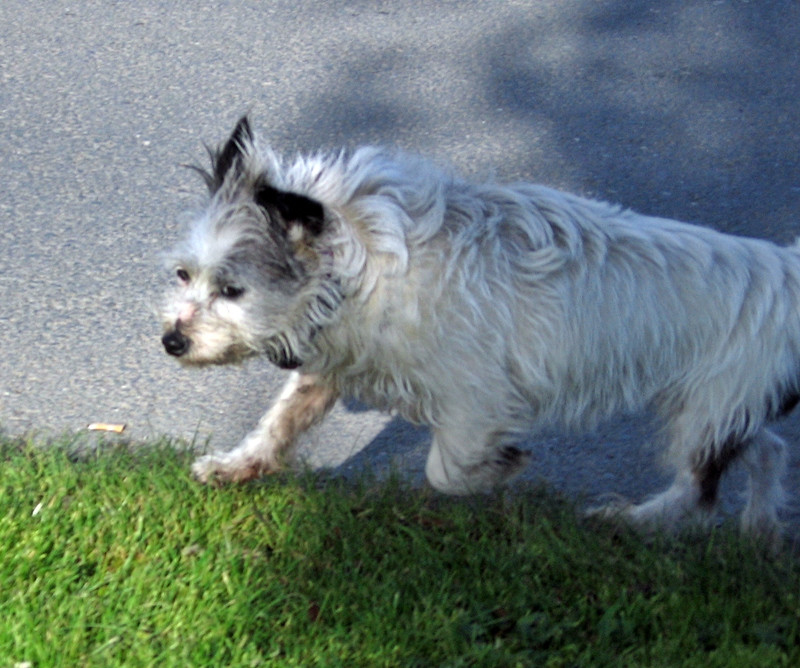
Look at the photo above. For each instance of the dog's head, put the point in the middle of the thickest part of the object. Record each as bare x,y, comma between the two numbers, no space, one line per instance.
253,276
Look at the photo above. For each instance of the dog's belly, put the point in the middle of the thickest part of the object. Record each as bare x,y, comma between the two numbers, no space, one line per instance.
395,393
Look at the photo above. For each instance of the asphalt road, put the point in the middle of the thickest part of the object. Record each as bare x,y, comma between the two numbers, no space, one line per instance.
687,109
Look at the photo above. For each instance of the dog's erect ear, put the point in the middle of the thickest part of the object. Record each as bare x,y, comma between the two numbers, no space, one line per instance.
231,153
292,208
227,157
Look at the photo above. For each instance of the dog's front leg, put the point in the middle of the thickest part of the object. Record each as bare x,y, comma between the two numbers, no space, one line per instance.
304,401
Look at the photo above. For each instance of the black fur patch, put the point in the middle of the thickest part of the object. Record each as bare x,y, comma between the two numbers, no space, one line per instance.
226,157
288,363
788,403
292,208
329,302
709,472
283,359
231,152
280,354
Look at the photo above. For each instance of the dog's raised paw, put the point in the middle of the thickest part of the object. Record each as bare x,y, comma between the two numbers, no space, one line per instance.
204,469
218,469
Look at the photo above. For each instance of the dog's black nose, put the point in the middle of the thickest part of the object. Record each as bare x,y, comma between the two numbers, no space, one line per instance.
175,343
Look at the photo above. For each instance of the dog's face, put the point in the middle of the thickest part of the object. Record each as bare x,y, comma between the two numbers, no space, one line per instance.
250,274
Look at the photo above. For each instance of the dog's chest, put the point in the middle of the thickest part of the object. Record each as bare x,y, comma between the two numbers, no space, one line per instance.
388,349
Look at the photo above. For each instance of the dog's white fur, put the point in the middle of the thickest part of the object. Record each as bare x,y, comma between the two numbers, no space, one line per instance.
486,311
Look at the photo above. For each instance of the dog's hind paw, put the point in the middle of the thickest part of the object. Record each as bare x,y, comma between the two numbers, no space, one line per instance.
616,509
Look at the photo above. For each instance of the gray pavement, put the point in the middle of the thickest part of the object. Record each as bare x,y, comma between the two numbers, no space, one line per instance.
686,109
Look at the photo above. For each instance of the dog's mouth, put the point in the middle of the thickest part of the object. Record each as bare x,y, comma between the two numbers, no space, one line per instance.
279,348
180,346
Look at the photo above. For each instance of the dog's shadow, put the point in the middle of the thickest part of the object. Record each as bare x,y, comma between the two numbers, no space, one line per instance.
399,447
619,458
610,458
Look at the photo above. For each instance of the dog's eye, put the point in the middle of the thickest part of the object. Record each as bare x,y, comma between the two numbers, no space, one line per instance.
182,274
231,291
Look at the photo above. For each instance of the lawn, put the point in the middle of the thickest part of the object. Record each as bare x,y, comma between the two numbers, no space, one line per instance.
120,559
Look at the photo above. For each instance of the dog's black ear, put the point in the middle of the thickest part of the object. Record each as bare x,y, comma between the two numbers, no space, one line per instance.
231,153
292,208
226,157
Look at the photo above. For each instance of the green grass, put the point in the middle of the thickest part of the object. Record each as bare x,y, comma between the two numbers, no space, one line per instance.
120,559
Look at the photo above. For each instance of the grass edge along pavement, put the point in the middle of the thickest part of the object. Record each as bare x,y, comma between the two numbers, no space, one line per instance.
119,558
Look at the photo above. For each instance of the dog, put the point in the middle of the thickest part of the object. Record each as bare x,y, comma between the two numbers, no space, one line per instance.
486,311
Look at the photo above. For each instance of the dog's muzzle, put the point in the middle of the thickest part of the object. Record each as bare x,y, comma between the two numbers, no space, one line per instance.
175,343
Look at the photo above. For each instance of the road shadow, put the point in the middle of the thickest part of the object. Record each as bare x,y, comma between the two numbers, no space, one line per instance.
696,124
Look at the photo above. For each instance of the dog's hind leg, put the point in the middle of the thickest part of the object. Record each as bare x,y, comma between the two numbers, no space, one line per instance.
682,498
765,461
304,401
693,491
461,461
696,485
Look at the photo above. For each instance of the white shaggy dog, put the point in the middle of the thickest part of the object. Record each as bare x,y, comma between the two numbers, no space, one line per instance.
484,311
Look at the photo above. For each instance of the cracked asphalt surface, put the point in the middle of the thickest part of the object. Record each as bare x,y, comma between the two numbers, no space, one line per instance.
686,109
